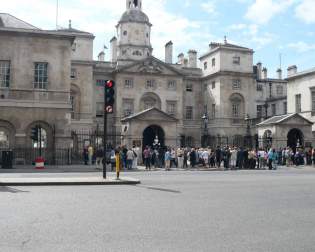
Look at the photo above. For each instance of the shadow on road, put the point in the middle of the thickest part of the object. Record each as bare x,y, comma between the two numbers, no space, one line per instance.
11,190
158,189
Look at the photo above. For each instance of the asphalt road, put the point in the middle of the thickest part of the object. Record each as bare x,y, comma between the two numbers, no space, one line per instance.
170,211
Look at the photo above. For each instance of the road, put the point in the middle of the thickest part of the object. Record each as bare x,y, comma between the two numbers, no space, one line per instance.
170,211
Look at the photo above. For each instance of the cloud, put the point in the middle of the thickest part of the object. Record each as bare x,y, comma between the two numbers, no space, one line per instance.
305,11
302,47
209,7
262,11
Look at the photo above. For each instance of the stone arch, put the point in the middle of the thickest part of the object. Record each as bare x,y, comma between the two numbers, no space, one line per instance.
7,134
75,100
237,106
150,100
295,139
149,135
49,130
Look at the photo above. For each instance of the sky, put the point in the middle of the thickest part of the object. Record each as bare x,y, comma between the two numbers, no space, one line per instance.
270,27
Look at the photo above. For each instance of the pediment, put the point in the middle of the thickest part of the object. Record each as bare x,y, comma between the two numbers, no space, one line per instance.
296,120
152,114
151,66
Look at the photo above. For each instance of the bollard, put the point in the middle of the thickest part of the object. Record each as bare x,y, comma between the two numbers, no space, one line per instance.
117,165
40,163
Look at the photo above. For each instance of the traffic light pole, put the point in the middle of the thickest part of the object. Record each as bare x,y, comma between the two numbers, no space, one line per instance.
104,138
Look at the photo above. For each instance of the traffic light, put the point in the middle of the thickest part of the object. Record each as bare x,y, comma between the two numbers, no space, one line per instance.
109,96
34,133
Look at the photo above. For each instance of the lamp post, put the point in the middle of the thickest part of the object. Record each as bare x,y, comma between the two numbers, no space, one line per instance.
248,136
205,129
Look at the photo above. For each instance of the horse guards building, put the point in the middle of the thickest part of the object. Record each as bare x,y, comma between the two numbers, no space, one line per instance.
48,79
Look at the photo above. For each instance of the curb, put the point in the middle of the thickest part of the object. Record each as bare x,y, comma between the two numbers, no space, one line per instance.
56,182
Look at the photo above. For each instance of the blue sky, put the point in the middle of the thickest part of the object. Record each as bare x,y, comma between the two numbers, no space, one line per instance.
270,27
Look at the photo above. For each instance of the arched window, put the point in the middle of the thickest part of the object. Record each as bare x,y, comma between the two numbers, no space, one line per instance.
150,100
4,139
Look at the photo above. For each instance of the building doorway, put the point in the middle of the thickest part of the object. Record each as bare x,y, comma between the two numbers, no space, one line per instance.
295,139
153,136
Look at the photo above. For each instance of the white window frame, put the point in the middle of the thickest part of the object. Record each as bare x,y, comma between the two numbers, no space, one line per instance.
40,75
236,84
5,72
129,83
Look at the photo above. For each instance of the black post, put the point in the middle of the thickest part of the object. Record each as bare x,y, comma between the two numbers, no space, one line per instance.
104,135
40,140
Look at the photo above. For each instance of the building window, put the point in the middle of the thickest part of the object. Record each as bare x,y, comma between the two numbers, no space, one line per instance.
205,87
73,74
213,111
128,83
236,84
40,75
125,33
213,62
259,87
213,84
205,66
150,84
259,111
235,110
273,109
313,101
171,107
137,53
298,103
99,109
127,107
171,85
279,90
189,112
236,60
100,83
285,109
189,87
74,47
4,73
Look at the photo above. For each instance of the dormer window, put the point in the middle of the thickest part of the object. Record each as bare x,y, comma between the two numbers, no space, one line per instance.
213,62
205,66
236,60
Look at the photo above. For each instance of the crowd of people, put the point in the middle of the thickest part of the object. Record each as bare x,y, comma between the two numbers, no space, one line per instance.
220,157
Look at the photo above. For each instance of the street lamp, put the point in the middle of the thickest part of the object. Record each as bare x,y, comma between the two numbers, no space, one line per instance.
205,132
248,136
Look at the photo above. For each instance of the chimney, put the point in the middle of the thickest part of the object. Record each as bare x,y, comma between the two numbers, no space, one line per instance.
113,49
264,73
192,57
101,56
292,70
169,53
259,70
181,58
279,73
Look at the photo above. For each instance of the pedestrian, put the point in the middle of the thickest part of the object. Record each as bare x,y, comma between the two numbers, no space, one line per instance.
185,164
99,158
90,153
85,155
173,157
130,157
180,158
146,157
167,159
233,158
218,156
192,158
135,159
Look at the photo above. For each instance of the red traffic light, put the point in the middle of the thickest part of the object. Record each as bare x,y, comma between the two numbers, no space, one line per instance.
109,84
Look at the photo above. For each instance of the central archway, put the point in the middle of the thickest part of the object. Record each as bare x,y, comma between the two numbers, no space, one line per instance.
150,133
295,139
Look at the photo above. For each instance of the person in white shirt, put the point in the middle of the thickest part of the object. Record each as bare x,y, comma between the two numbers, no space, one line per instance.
205,157
130,157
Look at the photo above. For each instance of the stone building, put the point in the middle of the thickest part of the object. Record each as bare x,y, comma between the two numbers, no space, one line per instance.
49,78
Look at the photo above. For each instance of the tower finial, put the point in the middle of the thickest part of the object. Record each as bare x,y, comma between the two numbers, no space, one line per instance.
70,24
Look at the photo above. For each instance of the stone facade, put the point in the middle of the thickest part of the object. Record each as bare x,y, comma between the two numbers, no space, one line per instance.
219,103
